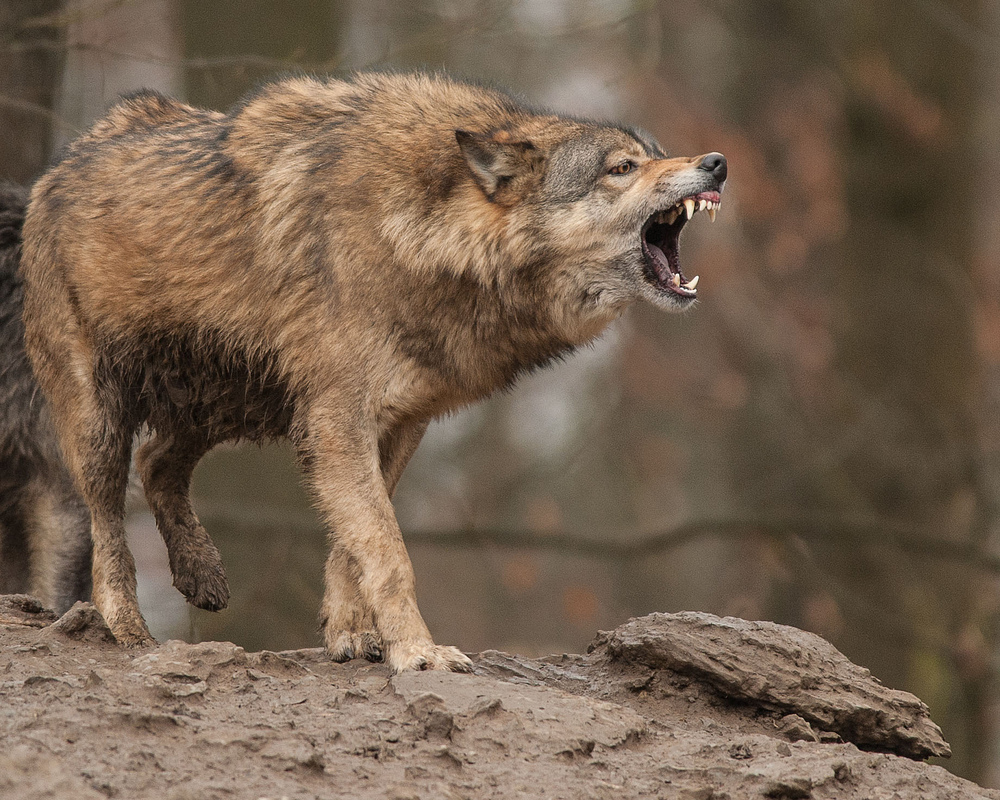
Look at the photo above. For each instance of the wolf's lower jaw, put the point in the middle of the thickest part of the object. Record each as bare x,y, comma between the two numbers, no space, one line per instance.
661,243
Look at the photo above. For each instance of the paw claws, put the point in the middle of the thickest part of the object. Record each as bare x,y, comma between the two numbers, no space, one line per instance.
427,655
125,622
208,591
346,645
132,637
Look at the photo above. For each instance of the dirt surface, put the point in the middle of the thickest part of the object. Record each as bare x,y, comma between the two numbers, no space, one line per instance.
667,706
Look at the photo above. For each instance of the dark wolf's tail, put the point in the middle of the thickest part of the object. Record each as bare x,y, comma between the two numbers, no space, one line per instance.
17,384
44,525
13,204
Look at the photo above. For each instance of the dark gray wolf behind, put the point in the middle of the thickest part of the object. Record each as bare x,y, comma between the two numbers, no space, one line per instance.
336,262
44,524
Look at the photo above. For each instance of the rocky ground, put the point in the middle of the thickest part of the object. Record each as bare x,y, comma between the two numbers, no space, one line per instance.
667,706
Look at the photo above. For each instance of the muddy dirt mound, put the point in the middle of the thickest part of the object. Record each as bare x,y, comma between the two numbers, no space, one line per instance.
667,706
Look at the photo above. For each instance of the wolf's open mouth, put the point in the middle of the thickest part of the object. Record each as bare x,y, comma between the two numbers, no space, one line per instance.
660,242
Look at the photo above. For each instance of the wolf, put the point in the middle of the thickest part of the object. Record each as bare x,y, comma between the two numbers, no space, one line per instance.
335,261
44,523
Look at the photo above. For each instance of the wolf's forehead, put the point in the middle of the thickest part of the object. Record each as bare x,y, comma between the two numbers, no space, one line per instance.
579,159
586,149
604,139
649,144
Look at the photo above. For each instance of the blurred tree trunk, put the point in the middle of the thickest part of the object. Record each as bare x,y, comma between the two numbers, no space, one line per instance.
113,48
907,351
891,433
31,59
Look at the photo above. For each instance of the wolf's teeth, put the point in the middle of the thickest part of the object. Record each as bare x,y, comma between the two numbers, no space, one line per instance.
689,207
711,213
692,284
675,280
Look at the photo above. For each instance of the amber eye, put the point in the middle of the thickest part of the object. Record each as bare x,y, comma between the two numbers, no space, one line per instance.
622,169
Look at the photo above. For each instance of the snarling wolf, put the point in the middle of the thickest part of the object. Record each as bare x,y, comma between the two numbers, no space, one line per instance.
336,262
44,524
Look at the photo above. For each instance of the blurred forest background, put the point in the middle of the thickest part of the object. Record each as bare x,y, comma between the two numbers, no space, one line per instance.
817,443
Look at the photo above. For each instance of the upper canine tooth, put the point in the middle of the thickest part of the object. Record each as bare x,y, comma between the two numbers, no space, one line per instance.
689,206
711,214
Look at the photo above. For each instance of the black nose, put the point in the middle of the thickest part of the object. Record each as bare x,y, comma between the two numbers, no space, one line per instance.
716,164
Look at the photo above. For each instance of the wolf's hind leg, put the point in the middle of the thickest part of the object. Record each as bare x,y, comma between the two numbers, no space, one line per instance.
98,447
58,526
165,464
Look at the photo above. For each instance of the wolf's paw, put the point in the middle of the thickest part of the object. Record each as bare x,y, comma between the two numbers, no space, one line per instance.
345,645
427,655
203,584
130,633
136,642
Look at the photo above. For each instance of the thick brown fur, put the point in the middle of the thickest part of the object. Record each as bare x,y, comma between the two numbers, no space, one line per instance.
44,524
333,261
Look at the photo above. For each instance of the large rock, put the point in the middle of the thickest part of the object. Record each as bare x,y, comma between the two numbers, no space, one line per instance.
783,669
639,717
23,609
83,623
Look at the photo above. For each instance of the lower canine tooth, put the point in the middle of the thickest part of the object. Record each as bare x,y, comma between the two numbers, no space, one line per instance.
675,280
692,284
689,206
711,214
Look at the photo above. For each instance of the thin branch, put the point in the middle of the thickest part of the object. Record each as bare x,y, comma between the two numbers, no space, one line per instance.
64,18
38,110
191,62
868,533
831,528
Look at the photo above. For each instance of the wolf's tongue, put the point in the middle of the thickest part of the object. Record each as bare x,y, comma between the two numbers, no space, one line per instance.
661,264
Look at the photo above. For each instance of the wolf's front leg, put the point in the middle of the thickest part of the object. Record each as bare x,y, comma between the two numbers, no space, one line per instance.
348,625
397,443
369,576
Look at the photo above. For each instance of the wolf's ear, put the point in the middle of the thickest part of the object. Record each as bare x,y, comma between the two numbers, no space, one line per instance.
494,159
